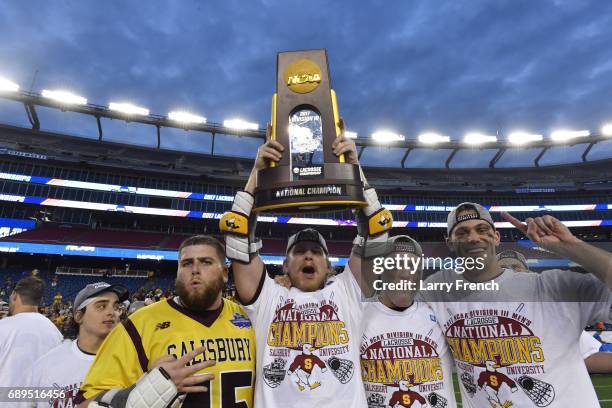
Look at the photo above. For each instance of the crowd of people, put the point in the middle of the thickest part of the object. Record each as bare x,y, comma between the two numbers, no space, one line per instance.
60,309
316,338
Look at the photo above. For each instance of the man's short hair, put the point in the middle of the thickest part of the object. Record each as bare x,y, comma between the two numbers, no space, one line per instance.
30,290
204,240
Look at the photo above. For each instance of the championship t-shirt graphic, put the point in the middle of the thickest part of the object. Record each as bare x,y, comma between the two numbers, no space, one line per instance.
308,344
404,359
307,339
519,346
498,353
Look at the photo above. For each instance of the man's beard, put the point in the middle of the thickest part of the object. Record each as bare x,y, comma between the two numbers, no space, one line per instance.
199,300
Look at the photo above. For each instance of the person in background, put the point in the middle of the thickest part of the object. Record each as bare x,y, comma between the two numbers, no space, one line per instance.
26,334
96,313
4,308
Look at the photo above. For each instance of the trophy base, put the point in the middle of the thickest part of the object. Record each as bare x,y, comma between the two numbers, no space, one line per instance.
340,189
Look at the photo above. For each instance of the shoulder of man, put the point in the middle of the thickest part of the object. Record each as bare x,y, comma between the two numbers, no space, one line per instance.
564,275
233,306
61,351
6,322
22,320
144,313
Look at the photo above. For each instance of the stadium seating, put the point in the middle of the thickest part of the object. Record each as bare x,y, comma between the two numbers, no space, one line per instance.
69,285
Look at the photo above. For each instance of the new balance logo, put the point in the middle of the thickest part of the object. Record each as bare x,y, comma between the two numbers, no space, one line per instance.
162,325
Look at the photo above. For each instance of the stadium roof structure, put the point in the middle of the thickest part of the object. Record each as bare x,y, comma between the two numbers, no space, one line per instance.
392,165
17,141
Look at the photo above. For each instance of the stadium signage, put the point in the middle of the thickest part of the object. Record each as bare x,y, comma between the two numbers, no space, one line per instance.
53,202
12,198
16,177
157,255
150,256
6,231
80,248
12,226
9,249
23,154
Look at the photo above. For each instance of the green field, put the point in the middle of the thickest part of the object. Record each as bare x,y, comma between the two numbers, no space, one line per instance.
603,387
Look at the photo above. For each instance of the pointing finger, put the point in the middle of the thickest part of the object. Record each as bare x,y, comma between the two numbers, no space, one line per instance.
506,216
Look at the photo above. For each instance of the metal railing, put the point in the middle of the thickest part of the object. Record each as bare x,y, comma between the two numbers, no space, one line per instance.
103,272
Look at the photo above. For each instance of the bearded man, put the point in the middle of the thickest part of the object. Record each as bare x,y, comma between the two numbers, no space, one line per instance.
195,349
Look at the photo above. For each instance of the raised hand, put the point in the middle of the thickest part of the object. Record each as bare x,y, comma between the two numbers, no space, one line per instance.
346,146
269,151
183,376
546,230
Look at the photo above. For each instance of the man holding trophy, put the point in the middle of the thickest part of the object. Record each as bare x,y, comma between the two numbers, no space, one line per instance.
308,336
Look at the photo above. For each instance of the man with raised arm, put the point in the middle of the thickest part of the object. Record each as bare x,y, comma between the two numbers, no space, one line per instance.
514,335
308,335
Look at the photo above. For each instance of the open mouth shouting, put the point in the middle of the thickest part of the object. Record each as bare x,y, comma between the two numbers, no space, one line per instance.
309,270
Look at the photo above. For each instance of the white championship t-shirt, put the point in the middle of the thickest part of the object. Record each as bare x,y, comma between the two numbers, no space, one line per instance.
517,353
24,338
409,346
63,368
308,345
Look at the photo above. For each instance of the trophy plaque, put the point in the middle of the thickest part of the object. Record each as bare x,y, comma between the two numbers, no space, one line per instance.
305,120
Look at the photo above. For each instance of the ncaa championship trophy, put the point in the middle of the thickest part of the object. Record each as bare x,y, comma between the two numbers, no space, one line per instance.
305,120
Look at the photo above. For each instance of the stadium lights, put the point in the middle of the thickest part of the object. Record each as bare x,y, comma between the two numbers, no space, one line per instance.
479,138
128,108
64,97
433,138
565,135
240,124
350,135
521,138
606,129
8,86
186,117
386,136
